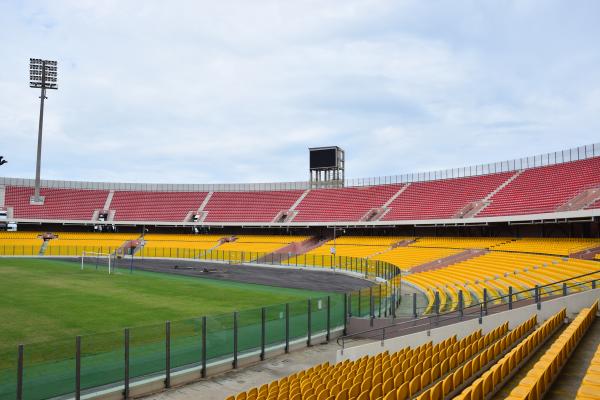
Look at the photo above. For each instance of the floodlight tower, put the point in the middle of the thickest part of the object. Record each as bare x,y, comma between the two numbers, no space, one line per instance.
42,75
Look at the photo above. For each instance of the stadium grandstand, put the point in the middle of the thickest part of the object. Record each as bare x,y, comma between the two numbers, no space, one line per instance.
564,184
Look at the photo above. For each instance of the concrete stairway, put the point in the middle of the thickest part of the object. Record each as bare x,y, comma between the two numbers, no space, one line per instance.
294,249
374,214
503,185
108,200
199,211
587,254
395,196
474,208
453,259
402,243
471,209
285,216
581,200
377,213
130,247
297,202
205,202
43,248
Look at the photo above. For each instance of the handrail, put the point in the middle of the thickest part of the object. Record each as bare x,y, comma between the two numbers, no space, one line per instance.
481,307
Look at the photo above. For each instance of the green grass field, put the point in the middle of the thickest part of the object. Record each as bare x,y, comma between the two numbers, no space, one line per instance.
46,303
46,300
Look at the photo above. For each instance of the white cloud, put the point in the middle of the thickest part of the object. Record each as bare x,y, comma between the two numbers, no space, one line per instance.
237,91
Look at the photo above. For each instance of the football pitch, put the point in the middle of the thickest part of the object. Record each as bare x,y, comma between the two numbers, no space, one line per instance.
48,300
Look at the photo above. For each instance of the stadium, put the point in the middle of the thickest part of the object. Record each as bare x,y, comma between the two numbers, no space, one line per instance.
433,285
299,200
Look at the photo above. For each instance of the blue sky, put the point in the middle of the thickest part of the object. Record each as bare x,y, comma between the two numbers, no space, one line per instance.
236,91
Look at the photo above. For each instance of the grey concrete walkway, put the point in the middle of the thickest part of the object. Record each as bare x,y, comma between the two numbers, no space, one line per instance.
231,383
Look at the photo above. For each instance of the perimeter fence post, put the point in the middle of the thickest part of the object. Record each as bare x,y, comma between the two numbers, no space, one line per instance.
21,350
77,367
538,297
126,383
168,354
371,306
347,306
485,301
414,299
510,296
203,347
564,288
309,318
359,303
460,303
348,302
235,340
328,317
263,315
287,327
380,301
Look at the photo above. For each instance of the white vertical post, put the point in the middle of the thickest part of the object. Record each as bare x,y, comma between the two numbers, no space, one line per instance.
82,260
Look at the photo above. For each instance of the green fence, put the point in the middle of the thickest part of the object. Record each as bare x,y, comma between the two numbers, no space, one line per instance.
93,362
117,359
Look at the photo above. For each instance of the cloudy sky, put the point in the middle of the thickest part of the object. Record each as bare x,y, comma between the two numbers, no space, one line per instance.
236,91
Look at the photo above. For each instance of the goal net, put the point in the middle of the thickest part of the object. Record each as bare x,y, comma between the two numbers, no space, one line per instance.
90,259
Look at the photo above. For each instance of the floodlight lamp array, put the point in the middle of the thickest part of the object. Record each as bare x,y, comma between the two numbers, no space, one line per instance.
43,73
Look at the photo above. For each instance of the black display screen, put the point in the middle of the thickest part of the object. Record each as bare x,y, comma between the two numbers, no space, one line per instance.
323,158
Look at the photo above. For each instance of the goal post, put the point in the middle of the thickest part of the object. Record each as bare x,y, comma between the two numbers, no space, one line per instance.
91,257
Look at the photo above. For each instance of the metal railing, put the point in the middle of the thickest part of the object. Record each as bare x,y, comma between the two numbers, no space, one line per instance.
540,160
118,359
486,306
